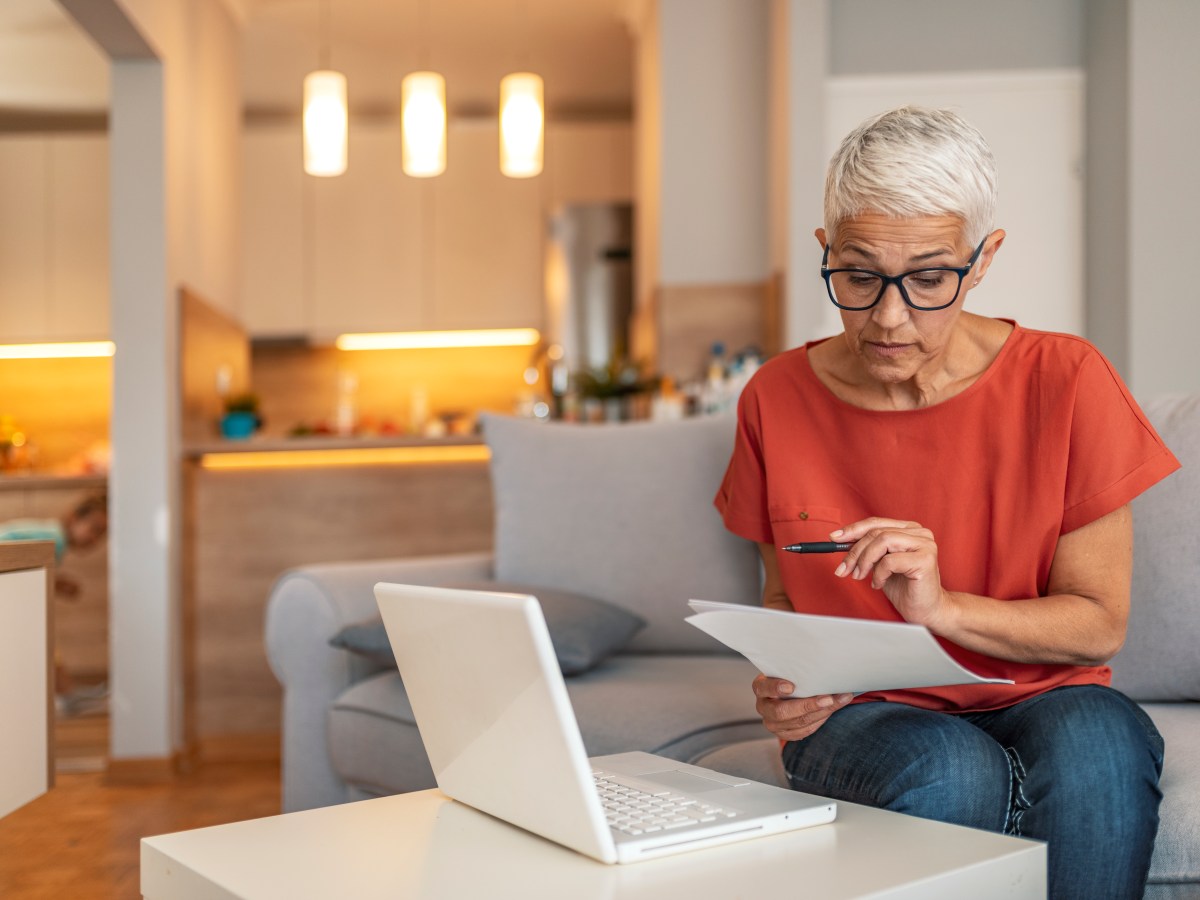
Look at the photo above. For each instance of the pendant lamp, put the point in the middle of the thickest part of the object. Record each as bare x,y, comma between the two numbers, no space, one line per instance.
522,125
326,119
325,123
423,123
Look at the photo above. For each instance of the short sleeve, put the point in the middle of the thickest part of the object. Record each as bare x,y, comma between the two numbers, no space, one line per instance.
1115,453
742,498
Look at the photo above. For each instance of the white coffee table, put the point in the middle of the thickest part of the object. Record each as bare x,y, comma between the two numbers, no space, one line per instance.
426,845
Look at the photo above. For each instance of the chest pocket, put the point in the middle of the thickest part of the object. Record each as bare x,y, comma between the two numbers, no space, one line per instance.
801,523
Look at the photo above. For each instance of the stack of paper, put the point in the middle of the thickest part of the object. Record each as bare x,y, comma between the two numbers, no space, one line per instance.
832,655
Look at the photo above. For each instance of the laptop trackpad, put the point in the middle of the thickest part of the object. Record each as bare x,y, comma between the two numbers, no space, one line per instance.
686,782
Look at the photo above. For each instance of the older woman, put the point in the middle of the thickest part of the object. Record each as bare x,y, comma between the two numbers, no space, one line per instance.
982,472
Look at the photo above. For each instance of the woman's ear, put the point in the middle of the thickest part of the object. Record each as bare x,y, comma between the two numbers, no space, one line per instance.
991,245
820,235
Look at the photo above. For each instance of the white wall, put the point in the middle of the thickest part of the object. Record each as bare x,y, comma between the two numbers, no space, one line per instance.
1164,195
871,37
713,120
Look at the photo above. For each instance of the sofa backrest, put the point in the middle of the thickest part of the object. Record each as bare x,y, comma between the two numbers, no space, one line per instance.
1161,657
623,513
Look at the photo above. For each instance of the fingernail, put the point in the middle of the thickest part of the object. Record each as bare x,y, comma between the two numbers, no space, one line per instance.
844,698
840,570
825,701
837,533
785,688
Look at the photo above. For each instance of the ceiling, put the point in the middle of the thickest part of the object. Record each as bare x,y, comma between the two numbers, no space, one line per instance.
47,64
582,48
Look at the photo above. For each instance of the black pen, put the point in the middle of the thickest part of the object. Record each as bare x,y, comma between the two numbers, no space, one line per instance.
818,547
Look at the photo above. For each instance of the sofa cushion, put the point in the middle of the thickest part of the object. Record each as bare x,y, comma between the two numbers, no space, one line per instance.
677,706
582,629
1176,859
623,513
1161,657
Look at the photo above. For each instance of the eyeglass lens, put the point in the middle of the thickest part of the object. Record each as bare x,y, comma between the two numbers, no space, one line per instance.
925,288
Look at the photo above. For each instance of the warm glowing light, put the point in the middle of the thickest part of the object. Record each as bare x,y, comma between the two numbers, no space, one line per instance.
325,123
78,349
364,456
423,340
522,122
423,124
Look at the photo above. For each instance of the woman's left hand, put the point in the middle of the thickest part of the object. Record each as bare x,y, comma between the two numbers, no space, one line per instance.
901,559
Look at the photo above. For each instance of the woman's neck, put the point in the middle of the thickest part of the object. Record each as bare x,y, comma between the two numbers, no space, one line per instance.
971,349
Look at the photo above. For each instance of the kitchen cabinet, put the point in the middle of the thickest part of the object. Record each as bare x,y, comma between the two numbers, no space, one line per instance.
376,250
367,251
54,269
487,237
589,162
274,300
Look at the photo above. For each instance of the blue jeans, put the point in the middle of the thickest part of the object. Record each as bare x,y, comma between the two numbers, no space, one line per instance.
1076,767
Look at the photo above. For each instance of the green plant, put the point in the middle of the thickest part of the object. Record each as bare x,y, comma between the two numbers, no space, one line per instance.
620,378
245,402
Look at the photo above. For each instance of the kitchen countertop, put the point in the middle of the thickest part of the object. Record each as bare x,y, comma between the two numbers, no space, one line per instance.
32,480
324,442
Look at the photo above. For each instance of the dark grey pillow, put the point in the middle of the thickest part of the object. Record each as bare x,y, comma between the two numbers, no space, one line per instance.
585,631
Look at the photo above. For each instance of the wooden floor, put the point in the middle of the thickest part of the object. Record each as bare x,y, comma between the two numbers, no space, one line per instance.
81,839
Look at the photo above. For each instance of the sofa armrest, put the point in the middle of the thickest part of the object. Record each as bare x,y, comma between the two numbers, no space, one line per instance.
307,607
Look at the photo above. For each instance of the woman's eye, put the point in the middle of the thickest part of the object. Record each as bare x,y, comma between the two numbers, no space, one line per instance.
928,279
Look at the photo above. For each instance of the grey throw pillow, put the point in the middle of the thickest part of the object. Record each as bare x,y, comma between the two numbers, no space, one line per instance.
584,631
624,513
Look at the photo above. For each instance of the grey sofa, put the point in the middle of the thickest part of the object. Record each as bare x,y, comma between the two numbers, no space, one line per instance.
623,513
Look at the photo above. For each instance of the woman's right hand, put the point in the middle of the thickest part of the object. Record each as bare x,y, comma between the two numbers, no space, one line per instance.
793,718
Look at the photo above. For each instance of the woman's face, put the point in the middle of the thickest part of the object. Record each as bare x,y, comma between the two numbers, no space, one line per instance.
893,342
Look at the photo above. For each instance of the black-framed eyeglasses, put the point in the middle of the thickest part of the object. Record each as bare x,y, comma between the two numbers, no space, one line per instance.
924,289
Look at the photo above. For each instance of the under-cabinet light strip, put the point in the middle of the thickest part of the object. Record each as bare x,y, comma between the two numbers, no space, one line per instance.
76,349
354,456
418,340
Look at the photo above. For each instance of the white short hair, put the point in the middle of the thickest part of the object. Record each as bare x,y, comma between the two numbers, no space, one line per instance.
911,162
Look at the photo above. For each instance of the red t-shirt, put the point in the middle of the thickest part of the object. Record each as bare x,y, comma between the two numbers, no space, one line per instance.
1046,440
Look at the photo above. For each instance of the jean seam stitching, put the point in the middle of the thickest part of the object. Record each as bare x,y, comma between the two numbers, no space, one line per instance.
1018,802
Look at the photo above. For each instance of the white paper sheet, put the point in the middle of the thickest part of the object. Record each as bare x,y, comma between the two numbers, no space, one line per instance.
832,655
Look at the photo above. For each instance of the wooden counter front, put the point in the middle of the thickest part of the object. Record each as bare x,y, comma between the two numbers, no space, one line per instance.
246,526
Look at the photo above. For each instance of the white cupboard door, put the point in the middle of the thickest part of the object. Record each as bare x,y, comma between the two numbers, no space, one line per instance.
24,264
367,265
487,237
78,293
589,162
274,296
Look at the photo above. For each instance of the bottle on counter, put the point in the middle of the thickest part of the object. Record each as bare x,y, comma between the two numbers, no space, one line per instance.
346,416
713,393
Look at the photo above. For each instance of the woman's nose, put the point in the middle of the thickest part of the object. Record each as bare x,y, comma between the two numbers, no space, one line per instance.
891,310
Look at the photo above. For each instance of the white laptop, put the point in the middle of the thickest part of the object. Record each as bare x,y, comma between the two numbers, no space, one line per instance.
493,711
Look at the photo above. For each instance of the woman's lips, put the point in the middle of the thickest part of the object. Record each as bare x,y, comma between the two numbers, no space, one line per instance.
886,349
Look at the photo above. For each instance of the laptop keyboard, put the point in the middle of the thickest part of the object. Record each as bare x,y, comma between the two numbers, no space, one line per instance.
633,811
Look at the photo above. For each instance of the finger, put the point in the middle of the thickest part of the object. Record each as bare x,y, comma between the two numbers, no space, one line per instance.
772,688
855,530
795,728
867,553
913,565
800,710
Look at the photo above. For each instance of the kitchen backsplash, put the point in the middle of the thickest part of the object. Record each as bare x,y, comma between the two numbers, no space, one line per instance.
302,389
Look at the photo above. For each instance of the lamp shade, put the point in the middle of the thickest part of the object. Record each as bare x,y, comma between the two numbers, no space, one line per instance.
522,125
325,123
423,123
